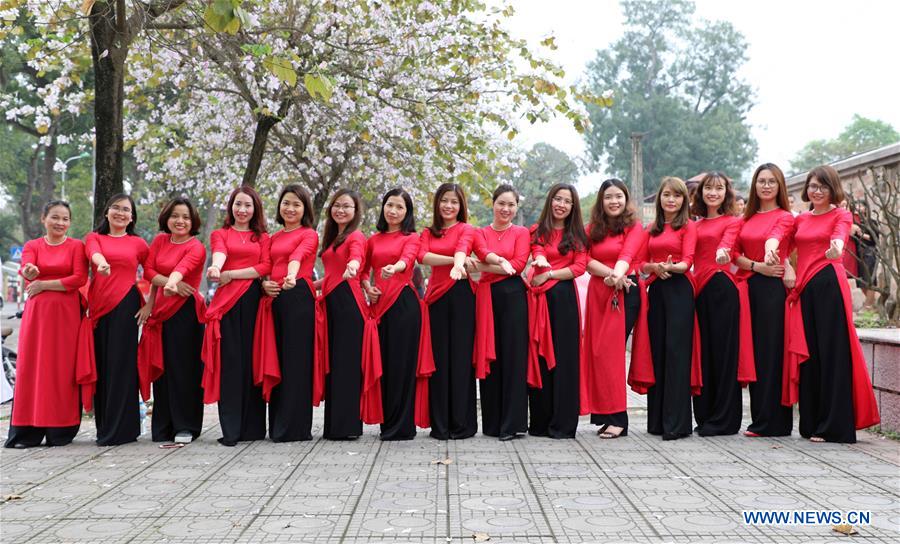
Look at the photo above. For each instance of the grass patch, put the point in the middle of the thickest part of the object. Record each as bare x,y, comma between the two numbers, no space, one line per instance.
891,435
869,319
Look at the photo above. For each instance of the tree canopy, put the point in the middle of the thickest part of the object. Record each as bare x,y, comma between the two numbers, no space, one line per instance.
675,80
544,166
353,93
859,136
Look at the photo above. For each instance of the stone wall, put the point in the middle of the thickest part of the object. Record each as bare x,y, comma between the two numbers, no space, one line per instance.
882,350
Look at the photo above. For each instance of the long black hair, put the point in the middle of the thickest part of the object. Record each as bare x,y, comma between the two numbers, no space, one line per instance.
602,225
408,225
573,235
437,223
330,234
103,227
300,192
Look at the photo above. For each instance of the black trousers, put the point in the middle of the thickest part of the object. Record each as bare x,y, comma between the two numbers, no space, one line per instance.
398,333
343,383
29,436
116,401
718,410
504,394
242,411
670,319
177,394
767,297
554,407
826,378
632,309
290,406
769,417
451,389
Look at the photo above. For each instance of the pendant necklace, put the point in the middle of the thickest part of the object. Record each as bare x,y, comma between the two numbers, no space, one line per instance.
500,233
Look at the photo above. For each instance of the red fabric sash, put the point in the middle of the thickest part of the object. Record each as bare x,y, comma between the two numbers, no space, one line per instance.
225,298
484,352
865,409
746,371
85,362
266,370
602,362
424,369
266,365
640,373
150,348
371,410
696,360
320,361
85,356
540,335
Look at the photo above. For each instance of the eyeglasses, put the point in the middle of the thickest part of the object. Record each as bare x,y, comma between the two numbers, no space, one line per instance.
767,182
816,188
120,209
562,200
343,207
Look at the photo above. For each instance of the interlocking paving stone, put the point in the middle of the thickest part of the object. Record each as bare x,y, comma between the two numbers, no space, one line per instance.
633,489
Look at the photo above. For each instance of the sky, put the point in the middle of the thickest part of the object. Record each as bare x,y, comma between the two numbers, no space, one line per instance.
813,64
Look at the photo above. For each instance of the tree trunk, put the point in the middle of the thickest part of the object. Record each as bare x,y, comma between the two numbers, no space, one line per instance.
41,185
109,51
320,199
264,124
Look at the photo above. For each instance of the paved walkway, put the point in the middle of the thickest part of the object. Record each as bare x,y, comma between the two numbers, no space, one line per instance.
634,489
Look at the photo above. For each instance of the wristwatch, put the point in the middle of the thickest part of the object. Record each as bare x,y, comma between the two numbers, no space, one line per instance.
752,264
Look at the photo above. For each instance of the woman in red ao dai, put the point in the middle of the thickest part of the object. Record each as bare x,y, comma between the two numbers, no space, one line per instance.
240,256
342,323
108,338
445,246
285,325
172,338
768,227
559,248
825,367
614,298
501,319
403,330
722,311
670,313
46,396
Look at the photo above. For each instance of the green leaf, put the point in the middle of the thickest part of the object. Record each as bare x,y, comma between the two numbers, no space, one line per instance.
242,15
318,86
282,69
233,27
257,50
221,17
